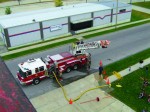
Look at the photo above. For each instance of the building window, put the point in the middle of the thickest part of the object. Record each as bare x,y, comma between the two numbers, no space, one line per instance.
41,68
122,10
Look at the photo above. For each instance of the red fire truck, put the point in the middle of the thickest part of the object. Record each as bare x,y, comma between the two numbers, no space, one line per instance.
34,70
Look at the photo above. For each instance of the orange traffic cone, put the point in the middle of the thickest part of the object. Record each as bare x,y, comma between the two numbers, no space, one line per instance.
108,81
70,101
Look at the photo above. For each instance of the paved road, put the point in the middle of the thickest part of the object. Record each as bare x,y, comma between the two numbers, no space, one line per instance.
123,44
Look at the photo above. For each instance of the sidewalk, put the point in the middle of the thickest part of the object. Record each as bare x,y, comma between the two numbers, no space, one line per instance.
141,9
54,101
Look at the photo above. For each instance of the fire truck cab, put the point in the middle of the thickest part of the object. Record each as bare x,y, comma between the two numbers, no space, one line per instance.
31,71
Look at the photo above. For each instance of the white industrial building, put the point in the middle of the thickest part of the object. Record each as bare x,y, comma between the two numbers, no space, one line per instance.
28,27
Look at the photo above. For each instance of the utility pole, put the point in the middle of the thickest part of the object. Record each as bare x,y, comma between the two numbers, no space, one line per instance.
116,14
130,1
19,1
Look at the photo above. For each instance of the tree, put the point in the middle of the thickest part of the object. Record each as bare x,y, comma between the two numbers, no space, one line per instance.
8,10
58,3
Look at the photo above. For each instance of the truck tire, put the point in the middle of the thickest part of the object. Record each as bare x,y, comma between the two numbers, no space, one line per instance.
75,67
36,81
68,69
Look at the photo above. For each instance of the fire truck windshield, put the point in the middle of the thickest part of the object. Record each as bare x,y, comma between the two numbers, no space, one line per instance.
23,74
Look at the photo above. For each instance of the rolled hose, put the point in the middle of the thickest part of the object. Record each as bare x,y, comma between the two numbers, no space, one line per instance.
80,95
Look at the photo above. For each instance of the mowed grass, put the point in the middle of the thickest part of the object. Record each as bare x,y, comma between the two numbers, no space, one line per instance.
143,4
137,15
130,90
30,51
4,1
126,62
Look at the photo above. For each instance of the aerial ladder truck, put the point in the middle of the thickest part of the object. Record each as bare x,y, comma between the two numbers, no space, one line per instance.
34,70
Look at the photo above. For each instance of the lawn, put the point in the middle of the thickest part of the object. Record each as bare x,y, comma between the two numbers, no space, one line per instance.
4,1
30,51
131,88
126,62
136,16
143,4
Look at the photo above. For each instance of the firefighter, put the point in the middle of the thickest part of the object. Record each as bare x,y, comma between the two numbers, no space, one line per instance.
81,42
57,72
88,64
77,42
101,69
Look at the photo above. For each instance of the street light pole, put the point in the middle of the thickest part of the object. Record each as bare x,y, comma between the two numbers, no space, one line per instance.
116,14
130,1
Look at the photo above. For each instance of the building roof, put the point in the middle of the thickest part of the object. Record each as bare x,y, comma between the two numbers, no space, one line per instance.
113,4
12,98
48,14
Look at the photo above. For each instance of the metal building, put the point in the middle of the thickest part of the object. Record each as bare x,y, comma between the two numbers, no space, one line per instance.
28,27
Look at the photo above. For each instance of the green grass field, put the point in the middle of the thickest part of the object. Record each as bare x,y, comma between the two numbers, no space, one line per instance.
130,90
126,62
136,16
22,53
4,1
143,4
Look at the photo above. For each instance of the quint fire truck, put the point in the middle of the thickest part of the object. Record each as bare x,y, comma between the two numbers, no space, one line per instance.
34,70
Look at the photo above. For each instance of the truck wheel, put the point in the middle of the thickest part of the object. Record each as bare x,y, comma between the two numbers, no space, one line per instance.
36,81
68,69
75,67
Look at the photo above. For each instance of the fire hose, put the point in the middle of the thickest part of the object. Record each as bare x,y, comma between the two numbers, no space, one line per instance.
80,95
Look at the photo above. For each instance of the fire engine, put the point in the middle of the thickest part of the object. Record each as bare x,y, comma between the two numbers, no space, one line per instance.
34,70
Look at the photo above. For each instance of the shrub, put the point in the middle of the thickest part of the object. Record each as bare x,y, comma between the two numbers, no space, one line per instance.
58,3
8,10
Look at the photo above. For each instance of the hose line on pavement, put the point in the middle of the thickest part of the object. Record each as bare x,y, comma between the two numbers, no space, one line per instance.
79,96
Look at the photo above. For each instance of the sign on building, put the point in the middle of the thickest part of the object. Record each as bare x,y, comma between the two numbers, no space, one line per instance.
55,27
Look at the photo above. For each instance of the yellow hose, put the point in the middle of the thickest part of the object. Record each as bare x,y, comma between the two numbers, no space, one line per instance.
78,97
